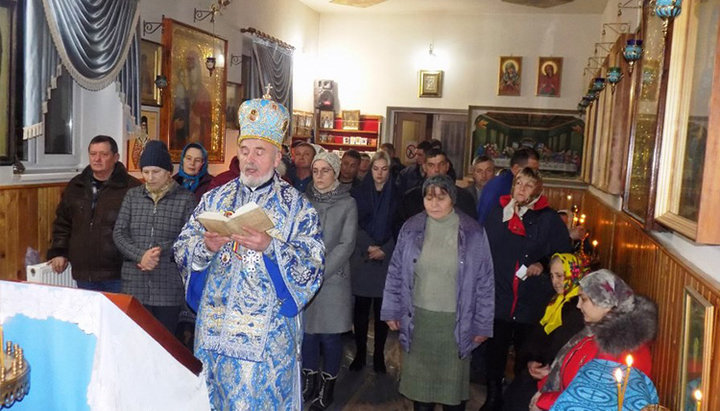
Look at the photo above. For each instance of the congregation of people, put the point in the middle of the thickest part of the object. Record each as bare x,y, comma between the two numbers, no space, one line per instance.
464,275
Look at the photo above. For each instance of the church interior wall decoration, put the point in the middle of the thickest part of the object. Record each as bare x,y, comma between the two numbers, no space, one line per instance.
557,135
7,47
510,76
150,68
194,108
430,83
549,76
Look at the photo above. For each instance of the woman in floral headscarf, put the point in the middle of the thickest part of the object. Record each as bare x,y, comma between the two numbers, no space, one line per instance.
561,321
618,322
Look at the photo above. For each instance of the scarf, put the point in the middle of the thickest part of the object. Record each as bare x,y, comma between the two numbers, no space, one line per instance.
376,210
188,181
329,196
157,195
513,217
574,271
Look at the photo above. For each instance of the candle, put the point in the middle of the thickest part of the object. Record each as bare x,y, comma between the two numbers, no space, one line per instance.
698,396
629,362
569,197
618,380
583,216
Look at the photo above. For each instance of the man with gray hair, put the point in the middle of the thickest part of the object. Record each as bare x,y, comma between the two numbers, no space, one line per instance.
249,327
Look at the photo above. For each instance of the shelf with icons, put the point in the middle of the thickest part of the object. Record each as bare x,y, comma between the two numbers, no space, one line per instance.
362,135
301,126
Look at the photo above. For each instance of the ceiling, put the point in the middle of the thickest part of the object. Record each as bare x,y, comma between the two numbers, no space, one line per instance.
464,6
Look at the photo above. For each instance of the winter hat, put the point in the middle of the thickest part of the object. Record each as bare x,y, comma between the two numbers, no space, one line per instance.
156,154
331,158
607,290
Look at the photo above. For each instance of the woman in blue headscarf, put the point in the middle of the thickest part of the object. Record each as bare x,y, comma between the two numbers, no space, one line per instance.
193,173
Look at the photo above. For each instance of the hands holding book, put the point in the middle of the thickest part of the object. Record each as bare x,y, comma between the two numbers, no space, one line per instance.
248,226
252,239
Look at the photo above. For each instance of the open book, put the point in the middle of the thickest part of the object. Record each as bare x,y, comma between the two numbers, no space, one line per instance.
250,215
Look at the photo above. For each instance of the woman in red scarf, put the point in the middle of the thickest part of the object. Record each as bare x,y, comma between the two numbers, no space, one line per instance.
523,232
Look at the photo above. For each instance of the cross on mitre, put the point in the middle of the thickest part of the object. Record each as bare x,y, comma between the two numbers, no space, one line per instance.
267,95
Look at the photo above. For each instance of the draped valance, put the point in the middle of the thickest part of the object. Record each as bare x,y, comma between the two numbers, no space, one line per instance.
96,41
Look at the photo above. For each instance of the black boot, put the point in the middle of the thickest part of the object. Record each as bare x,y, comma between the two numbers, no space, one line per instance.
379,362
493,401
326,394
309,384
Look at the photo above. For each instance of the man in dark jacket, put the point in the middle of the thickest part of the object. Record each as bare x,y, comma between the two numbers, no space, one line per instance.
436,163
85,218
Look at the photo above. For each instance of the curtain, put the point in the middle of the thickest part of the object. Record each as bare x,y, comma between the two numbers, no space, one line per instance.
97,42
274,67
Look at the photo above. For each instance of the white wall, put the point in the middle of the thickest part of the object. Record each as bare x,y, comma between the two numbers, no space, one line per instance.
375,59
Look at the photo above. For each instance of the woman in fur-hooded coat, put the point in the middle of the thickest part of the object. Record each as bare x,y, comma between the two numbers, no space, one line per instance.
618,323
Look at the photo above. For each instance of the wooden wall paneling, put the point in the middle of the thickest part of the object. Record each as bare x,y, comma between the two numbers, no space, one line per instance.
26,217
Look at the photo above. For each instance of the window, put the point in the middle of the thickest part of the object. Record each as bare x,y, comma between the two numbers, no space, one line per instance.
57,147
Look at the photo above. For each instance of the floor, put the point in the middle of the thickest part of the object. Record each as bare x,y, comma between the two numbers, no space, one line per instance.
366,390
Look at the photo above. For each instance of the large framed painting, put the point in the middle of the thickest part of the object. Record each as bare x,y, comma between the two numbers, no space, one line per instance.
510,76
150,68
557,135
234,96
549,76
194,107
687,196
696,348
7,89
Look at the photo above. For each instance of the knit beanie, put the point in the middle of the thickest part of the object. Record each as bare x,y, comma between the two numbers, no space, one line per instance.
331,158
156,154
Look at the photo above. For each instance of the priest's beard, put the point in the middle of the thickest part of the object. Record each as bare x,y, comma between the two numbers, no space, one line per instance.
254,182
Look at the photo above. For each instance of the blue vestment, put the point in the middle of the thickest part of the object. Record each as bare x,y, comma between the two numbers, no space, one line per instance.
248,333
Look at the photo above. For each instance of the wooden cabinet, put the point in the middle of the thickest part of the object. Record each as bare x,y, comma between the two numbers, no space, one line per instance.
365,138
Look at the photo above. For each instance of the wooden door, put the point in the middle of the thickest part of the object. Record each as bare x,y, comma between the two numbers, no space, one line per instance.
451,130
408,130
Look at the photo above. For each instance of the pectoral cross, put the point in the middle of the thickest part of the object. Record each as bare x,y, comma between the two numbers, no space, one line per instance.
267,95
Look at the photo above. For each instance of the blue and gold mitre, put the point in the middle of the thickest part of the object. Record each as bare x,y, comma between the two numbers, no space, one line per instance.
263,118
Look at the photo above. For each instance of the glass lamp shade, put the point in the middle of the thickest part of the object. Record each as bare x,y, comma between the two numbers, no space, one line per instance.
667,9
633,50
598,84
161,81
614,75
210,64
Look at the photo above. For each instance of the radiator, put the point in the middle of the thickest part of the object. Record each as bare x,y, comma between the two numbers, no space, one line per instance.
42,273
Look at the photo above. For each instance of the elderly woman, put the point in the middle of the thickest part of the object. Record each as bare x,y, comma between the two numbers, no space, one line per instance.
329,314
441,305
193,172
618,323
523,232
149,221
561,321
377,201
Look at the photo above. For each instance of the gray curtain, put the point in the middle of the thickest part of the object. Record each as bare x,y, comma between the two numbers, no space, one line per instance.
274,67
97,42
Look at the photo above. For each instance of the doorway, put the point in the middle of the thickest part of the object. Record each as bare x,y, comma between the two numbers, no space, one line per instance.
410,126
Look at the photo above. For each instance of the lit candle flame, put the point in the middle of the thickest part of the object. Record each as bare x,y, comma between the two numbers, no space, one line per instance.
575,219
569,197
618,375
582,221
595,243
583,216
629,360
698,395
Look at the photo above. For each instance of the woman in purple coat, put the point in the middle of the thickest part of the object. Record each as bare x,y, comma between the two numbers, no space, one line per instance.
442,307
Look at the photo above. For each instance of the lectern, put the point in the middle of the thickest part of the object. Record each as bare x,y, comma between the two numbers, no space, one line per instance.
95,351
